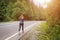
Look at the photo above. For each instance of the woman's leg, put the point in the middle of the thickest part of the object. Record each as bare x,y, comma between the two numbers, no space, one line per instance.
19,27
23,28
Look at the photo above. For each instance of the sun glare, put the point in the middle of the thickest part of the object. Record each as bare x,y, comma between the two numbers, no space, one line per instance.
42,3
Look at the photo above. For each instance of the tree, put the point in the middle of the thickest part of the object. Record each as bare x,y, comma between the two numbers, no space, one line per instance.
2,10
53,20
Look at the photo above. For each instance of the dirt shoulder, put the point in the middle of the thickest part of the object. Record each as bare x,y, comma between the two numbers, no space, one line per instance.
30,35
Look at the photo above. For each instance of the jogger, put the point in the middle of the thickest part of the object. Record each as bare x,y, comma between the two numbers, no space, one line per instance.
21,24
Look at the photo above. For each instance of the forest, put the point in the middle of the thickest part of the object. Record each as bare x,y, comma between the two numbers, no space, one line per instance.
10,10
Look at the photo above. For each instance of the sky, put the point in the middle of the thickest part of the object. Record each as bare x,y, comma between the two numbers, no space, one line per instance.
42,3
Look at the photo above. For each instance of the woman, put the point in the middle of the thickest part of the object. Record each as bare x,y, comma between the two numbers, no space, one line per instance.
21,24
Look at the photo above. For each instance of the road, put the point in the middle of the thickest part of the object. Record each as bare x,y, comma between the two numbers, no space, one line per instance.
10,28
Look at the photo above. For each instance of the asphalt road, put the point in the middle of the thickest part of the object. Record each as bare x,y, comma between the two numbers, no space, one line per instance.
10,28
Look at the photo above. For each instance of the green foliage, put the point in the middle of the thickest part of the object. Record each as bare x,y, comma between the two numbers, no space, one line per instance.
48,33
53,21
10,10
43,31
43,27
2,10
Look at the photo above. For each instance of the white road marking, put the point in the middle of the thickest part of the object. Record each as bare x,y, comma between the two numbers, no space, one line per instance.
20,31
11,36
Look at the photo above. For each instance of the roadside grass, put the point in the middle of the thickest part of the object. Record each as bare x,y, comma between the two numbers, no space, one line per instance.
43,28
48,32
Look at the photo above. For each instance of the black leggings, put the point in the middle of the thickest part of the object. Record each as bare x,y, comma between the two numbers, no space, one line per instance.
21,26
